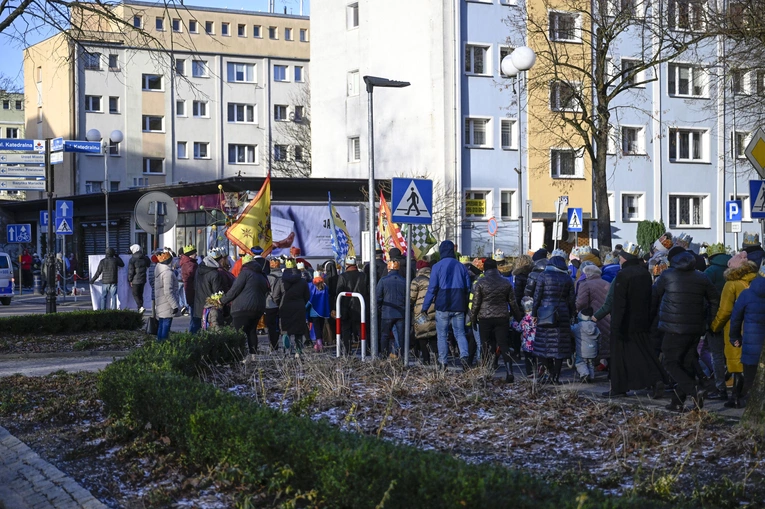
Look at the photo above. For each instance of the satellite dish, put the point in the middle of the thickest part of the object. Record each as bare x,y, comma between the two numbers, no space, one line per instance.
156,212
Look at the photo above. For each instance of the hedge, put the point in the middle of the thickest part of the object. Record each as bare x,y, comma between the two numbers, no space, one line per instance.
213,427
69,322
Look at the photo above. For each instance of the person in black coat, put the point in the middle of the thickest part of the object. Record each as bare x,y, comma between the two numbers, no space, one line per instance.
553,342
531,281
391,300
521,271
209,279
380,265
352,280
109,267
681,297
138,266
248,301
292,295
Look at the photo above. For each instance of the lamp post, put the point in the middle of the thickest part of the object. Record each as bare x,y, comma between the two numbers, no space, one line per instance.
513,65
372,82
115,137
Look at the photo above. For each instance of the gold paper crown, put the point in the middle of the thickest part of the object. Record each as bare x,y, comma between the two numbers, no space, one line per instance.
631,248
751,239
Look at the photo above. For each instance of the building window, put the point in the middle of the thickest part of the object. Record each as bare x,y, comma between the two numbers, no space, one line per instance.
566,163
632,140
177,25
632,209
160,24
298,116
12,132
506,204
280,112
299,154
687,145
180,66
741,140
114,150
140,182
507,133
303,35
225,29
151,82
114,104
298,74
201,150
352,15
181,151
476,59
93,186
241,113
19,104
280,152
503,52
686,211
565,27
280,73
199,108
257,31
92,61
153,165
477,204
193,26
563,96
686,80
93,103
287,34
137,21
475,132
39,74
180,108
241,73
685,14
114,63
273,33
152,124
629,75
6,104
199,68
241,30
241,154
739,81
353,83
209,28
354,149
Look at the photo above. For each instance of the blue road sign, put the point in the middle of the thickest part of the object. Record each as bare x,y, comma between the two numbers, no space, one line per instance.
44,218
733,211
64,226
14,144
413,201
19,233
82,147
57,144
757,197
64,208
574,219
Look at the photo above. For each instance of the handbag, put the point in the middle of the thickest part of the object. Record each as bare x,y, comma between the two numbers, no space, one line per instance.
152,326
547,316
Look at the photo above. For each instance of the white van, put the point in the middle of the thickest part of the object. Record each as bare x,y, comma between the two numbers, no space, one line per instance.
6,279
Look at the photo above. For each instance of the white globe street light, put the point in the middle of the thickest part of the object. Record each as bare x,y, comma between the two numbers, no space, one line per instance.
523,58
508,69
115,137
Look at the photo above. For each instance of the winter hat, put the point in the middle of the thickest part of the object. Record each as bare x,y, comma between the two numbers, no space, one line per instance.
716,249
350,260
421,264
257,251
676,250
164,257
750,239
558,262
109,251
755,254
135,248
489,264
590,257
539,254
586,314
592,270
394,253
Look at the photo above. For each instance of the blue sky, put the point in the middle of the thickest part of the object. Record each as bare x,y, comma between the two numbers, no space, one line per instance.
11,62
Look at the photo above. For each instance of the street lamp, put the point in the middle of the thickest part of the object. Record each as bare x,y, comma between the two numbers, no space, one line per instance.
372,82
115,137
513,65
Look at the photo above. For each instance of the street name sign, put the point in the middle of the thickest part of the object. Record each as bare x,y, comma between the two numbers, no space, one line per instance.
22,185
22,171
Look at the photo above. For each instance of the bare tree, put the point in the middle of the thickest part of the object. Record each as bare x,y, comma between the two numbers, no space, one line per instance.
577,44
293,137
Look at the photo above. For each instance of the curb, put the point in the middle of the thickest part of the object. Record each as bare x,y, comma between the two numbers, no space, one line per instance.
57,355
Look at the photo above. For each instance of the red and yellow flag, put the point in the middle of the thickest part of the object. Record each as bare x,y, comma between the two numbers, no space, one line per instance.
388,233
253,227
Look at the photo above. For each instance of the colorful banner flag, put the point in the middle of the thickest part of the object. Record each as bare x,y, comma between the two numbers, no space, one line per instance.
342,242
422,240
253,228
388,232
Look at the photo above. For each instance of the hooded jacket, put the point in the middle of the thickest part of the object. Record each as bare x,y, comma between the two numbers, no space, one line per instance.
138,266
320,302
531,282
520,279
189,268
166,290
209,279
248,293
273,278
109,267
680,296
417,293
292,296
587,338
449,284
737,280
492,294
718,264
391,296
554,288
747,322
610,272
593,292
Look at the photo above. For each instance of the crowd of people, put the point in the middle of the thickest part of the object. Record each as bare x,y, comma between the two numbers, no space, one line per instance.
671,318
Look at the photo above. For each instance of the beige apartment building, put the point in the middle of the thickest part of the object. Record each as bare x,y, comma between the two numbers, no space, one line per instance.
11,126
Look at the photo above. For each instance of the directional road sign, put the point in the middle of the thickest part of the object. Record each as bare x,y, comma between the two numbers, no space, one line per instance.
574,219
733,211
22,158
563,199
64,226
492,226
757,197
82,147
22,185
57,144
43,218
413,201
22,171
15,144
64,208
19,233
56,157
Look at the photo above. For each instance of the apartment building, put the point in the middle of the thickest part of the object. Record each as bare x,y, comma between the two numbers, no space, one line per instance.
11,126
675,137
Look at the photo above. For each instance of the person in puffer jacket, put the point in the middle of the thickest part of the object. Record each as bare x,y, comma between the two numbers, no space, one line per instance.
320,306
587,338
536,271
109,267
138,266
611,267
166,290
553,342
747,328
716,341
210,278
449,287
592,293
272,308
492,296
425,328
521,271
391,300
247,297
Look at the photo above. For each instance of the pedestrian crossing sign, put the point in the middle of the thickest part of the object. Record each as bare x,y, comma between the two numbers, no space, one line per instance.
757,198
413,199
574,219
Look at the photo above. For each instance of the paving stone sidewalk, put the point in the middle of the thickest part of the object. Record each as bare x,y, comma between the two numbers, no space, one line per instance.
29,482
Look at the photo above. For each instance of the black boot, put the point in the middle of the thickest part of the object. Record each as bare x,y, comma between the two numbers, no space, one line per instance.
738,385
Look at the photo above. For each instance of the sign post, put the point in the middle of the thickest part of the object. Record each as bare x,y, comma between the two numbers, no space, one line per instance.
413,199
50,260
492,229
575,222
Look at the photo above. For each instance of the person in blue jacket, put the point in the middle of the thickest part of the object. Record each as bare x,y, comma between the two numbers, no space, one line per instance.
449,287
319,308
391,300
747,327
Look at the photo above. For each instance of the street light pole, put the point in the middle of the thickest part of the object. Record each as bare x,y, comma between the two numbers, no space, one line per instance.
116,137
372,82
